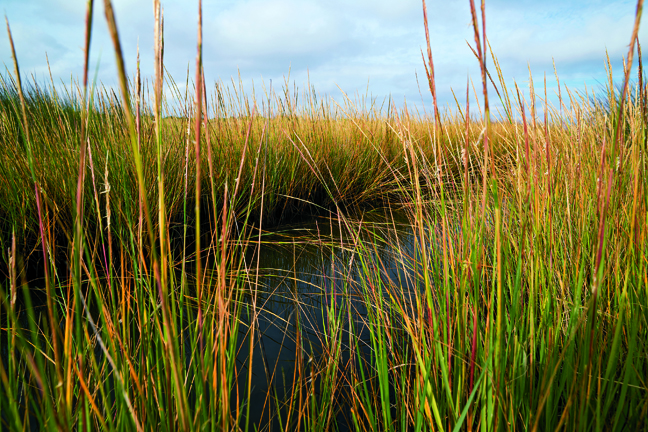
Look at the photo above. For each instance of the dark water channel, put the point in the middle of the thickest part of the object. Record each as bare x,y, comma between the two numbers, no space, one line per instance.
303,270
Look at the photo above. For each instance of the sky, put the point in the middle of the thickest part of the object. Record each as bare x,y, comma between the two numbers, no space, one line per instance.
359,47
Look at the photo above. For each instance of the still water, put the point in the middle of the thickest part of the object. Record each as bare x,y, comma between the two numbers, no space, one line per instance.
305,271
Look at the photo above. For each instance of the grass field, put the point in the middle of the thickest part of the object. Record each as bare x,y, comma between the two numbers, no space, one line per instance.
130,297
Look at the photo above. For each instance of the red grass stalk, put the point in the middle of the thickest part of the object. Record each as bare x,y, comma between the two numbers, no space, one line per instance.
466,146
482,63
548,156
199,116
449,337
532,112
220,367
526,130
634,234
88,35
473,353
210,161
82,146
626,80
483,12
123,84
158,34
159,57
138,101
13,275
140,224
429,70
560,100
54,328
635,39
21,95
50,306
169,327
617,138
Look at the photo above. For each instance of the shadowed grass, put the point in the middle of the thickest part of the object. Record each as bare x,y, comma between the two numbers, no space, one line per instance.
514,298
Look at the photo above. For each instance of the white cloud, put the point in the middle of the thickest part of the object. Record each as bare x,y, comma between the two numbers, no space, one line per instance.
336,42
277,27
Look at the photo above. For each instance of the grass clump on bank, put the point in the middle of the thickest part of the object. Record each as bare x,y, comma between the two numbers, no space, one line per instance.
519,299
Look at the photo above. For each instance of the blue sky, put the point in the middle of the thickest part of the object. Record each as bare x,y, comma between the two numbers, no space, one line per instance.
353,45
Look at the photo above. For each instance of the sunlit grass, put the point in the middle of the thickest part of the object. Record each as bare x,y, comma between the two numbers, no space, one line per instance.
132,291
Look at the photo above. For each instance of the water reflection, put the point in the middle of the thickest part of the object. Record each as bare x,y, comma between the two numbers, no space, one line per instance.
307,271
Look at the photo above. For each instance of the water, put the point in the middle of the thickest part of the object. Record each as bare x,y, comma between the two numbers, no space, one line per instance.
307,271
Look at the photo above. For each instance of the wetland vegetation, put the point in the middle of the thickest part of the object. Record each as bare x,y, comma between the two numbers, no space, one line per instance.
207,260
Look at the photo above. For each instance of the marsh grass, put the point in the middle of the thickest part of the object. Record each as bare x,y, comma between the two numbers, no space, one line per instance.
520,305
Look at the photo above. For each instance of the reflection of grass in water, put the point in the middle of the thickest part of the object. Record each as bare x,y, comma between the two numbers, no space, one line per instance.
518,303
